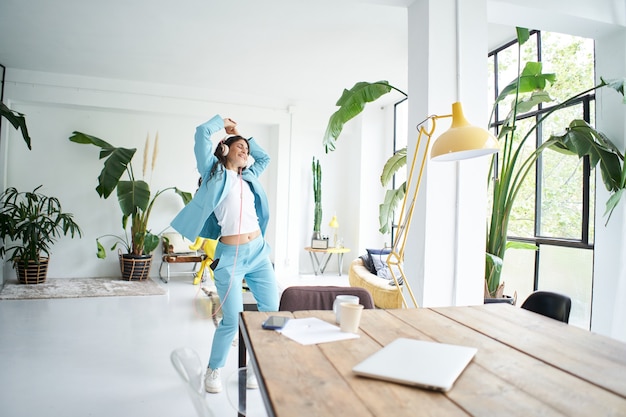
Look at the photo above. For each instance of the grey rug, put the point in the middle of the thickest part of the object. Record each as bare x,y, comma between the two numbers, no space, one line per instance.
79,287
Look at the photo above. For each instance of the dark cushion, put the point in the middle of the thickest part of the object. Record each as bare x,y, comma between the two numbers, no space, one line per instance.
378,258
367,263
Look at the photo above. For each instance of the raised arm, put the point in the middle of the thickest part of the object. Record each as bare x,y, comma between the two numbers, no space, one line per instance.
261,158
203,147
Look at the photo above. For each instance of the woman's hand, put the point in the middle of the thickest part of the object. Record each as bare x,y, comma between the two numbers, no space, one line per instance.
230,126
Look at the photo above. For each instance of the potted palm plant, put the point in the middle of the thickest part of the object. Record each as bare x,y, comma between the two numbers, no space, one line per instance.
528,89
136,203
30,223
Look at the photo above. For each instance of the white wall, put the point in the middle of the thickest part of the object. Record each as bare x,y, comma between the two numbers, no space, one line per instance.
377,127
123,113
351,187
609,285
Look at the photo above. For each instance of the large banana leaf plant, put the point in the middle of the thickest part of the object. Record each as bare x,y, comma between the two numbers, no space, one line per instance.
528,89
512,166
351,104
133,195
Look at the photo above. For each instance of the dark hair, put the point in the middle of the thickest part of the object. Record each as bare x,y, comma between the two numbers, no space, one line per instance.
218,154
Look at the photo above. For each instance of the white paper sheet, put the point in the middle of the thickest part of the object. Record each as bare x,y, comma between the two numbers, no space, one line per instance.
311,330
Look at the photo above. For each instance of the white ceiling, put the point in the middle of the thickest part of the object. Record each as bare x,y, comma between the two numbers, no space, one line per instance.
285,51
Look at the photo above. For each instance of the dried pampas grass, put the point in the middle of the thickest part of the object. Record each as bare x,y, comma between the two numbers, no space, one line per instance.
145,155
155,151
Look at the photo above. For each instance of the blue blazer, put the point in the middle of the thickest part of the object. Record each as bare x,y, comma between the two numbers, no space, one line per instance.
197,217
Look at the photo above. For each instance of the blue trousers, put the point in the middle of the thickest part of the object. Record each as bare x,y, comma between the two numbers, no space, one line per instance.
251,261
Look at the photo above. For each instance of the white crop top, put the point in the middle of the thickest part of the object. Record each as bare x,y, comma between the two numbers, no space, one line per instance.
237,209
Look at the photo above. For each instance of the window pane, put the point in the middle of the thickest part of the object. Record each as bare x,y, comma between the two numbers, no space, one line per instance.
592,186
562,183
567,270
572,60
522,221
592,207
507,72
402,115
518,273
401,138
491,87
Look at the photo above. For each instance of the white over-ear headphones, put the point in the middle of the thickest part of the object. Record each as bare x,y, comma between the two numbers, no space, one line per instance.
224,149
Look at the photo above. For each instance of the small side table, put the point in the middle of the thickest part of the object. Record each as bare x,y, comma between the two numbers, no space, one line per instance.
319,265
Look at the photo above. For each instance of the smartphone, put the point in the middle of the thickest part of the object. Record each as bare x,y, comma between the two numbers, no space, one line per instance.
275,322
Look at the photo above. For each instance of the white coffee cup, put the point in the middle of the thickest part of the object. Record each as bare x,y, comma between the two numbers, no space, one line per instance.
350,317
343,299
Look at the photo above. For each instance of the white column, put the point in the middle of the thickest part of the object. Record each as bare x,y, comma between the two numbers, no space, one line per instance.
609,285
444,260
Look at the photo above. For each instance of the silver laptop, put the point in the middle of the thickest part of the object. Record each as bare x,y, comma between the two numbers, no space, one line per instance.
420,363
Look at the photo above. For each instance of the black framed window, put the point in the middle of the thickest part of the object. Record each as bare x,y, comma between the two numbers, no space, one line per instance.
554,209
400,140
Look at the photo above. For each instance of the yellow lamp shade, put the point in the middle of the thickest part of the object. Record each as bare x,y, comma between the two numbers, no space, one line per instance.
463,140
334,223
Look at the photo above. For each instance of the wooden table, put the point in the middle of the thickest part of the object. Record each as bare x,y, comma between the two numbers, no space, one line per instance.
526,365
319,265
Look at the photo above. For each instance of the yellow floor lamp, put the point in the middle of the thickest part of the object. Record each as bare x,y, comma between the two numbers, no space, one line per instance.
461,141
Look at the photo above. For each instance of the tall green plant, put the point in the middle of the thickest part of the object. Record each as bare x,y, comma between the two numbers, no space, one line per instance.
317,195
351,104
512,167
133,195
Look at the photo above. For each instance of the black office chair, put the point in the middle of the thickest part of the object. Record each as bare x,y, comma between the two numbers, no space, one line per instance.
550,304
304,297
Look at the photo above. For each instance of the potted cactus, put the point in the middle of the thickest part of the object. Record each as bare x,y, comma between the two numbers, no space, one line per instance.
317,196
317,242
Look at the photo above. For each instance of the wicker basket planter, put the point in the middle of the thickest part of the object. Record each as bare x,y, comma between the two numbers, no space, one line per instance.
134,267
33,272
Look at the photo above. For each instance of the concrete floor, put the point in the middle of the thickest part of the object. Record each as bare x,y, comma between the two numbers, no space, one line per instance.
109,356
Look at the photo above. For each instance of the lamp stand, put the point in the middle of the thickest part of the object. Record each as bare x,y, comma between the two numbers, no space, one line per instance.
396,256
461,141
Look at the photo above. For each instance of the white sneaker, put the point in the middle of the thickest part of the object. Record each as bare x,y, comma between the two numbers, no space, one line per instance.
212,381
251,382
